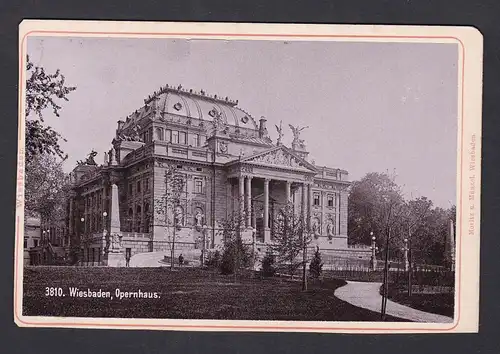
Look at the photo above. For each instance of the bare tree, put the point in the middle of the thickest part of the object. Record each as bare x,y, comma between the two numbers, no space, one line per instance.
165,207
290,239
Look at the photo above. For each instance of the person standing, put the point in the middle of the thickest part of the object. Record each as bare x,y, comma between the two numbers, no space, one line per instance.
181,260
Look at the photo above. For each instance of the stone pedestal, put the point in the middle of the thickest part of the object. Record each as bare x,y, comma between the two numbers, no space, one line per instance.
114,259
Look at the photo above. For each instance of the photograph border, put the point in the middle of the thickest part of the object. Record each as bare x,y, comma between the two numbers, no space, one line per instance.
469,68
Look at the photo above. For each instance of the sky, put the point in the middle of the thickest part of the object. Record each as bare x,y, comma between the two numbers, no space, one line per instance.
370,107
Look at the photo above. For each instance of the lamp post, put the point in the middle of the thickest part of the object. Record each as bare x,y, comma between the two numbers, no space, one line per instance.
254,232
405,252
105,231
82,236
373,248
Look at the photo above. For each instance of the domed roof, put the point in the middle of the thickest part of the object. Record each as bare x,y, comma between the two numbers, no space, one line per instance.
196,105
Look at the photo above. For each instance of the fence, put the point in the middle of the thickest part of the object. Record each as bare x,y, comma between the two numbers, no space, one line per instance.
424,279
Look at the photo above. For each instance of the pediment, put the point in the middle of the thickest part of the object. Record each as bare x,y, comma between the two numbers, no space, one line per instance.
279,157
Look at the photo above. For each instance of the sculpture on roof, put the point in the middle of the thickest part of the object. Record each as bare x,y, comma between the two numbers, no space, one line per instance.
296,133
219,123
89,160
280,133
134,136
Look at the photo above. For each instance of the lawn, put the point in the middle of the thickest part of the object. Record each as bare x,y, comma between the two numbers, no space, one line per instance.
185,294
440,304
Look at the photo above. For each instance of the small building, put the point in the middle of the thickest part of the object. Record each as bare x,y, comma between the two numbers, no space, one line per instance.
32,237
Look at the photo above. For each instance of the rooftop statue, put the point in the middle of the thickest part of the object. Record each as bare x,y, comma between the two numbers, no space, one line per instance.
89,160
296,133
280,133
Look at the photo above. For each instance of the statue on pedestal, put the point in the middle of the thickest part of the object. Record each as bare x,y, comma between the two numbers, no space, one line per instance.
116,242
280,133
296,133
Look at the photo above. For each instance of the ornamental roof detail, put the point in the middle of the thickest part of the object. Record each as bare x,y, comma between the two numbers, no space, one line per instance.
280,157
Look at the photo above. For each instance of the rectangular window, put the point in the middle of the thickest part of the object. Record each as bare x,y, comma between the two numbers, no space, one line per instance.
25,243
138,186
330,201
146,184
196,140
198,186
182,138
316,199
35,243
168,135
175,137
130,189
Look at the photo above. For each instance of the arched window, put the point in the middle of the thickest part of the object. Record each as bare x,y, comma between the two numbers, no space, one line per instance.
159,134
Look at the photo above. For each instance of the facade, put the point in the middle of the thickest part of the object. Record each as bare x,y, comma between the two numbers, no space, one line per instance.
44,243
227,163
32,236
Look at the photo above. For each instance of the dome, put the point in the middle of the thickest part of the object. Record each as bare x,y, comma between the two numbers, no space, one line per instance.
199,106
191,104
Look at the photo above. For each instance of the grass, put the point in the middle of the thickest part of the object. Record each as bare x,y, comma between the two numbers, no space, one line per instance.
186,294
440,304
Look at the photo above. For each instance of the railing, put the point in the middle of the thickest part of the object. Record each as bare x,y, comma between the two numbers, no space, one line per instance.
137,235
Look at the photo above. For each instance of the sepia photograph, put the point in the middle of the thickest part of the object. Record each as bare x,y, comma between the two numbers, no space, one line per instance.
307,180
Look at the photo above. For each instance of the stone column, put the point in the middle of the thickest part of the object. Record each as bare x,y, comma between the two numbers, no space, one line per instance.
304,202
248,201
229,198
309,204
241,194
337,198
266,209
287,190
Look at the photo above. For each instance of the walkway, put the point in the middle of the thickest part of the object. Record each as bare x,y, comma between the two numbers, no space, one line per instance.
367,296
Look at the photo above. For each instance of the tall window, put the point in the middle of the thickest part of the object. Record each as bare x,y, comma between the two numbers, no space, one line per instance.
175,137
182,138
130,188
316,199
168,135
138,186
159,134
198,186
330,201
146,184
196,140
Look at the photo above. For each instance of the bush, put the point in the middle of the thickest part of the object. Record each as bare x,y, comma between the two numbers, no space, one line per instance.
236,256
316,266
268,268
213,260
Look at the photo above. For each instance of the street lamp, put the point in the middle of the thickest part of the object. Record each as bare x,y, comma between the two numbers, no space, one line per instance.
373,248
254,232
405,250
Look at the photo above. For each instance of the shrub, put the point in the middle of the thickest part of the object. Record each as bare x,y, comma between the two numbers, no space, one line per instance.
316,266
213,260
268,267
236,256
